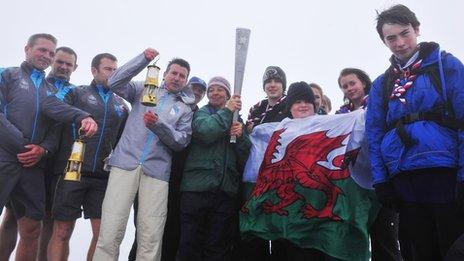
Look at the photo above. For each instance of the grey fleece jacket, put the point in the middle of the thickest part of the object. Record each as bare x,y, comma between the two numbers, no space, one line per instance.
150,148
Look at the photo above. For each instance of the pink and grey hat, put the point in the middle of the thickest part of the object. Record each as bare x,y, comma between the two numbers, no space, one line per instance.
220,81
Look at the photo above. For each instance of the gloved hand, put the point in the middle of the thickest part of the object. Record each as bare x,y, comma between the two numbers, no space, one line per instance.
386,194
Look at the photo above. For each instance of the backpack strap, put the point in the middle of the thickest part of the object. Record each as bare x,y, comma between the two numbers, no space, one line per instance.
442,115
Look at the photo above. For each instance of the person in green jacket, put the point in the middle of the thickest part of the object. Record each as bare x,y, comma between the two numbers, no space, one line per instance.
212,176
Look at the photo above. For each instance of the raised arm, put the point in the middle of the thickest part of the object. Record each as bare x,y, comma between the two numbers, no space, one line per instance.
120,80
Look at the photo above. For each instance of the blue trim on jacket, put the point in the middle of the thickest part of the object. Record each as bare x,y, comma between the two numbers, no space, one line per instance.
105,94
36,78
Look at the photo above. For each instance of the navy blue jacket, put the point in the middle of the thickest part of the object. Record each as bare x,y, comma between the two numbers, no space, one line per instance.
23,117
108,110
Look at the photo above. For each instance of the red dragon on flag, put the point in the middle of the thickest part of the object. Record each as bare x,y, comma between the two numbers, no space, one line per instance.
305,190
311,161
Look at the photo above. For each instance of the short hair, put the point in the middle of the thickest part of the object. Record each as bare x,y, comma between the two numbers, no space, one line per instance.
33,38
97,59
181,62
67,50
316,86
397,14
362,76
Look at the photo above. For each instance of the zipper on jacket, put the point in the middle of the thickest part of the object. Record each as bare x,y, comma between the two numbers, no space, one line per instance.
224,168
105,98
3,101
151,135
37,81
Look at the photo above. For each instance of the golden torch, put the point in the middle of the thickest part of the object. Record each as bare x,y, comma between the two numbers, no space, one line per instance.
74,166
151,86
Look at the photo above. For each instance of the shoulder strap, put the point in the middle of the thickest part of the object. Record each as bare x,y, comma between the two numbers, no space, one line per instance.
435,73
387,86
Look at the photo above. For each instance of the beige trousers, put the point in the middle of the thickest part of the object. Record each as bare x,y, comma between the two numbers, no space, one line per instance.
120,193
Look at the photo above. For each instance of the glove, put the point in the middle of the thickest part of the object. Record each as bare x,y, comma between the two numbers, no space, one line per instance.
386,194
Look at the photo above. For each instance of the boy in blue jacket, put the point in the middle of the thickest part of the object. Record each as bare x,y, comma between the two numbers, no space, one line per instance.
413,124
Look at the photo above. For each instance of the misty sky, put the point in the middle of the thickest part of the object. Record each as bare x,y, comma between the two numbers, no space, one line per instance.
310,40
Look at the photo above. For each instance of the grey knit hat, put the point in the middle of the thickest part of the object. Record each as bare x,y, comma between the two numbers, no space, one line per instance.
276,73
220,81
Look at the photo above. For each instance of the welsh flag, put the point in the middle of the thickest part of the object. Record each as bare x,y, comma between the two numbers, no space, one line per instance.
311,185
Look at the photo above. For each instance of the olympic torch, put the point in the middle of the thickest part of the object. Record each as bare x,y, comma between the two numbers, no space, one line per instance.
242,37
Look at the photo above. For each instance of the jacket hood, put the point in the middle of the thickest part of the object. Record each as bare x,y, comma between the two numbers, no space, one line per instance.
186,95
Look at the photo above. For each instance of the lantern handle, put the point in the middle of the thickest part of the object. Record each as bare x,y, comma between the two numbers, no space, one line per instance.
156,59
80,133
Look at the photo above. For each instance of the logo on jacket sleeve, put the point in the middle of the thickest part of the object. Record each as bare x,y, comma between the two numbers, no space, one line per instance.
92,100
23,84
119,109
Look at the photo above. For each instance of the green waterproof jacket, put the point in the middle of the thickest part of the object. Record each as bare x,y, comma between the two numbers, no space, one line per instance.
213,163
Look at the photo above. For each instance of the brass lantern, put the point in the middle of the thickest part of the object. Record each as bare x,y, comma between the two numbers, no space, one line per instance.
74,166
151,86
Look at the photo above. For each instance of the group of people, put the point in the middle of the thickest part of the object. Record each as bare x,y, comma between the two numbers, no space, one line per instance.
176,165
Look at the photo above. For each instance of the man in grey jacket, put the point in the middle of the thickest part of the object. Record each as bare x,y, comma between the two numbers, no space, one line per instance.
141,161
26,128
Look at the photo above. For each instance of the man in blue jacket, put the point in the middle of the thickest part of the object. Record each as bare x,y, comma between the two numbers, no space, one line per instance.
27,139
414,127
109,111
64,64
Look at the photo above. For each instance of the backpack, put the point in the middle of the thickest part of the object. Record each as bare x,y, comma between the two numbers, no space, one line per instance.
442,115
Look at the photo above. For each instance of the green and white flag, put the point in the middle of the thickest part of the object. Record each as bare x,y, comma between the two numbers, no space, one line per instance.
304,191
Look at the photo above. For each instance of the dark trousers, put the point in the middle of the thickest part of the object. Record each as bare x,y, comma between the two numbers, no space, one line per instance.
207,226
430,228
133,251
384,236
258,249
171,234
456,252
295,253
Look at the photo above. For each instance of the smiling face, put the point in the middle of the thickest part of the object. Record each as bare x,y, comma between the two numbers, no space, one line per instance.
352,87
302,109
217,96
401,39
274,89
40,53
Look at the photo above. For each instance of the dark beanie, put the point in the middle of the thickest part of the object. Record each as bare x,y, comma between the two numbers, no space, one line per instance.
299,91
274,72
